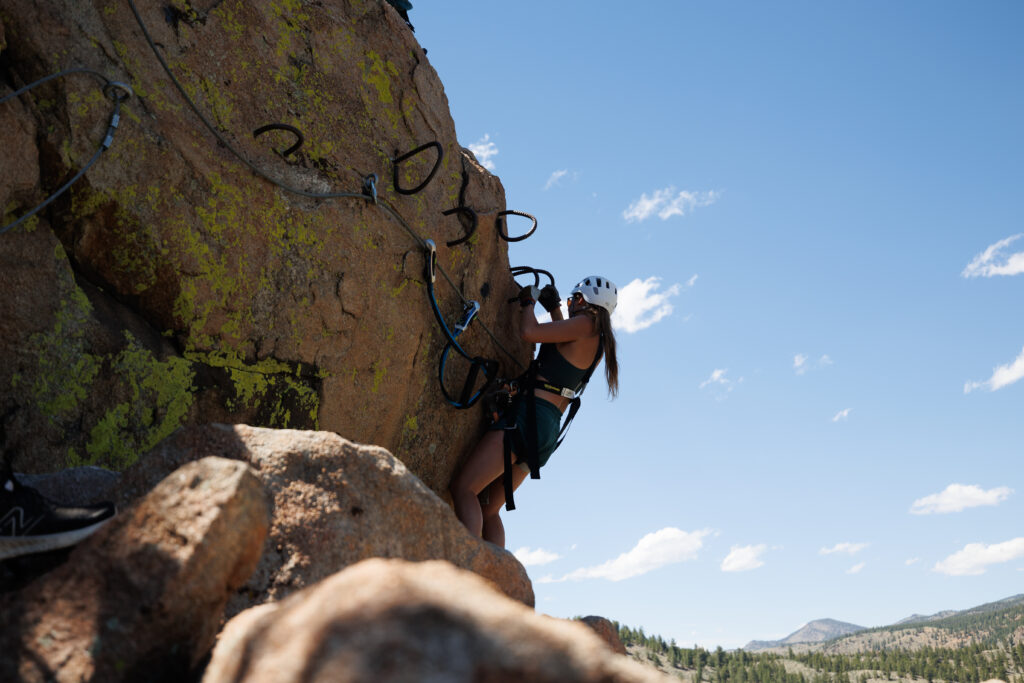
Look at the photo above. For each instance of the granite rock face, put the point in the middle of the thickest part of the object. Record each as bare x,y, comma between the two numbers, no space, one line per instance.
334,503
144,597
388,620
172,285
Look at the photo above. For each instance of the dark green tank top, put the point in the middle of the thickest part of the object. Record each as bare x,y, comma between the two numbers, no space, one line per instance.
552,365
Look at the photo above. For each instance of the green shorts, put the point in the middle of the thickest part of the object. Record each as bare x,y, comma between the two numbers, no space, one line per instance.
549,420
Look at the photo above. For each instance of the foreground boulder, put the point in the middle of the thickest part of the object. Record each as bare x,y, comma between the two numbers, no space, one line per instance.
335,503
388,620
144,597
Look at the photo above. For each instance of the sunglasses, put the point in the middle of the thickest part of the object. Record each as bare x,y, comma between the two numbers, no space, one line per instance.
576,298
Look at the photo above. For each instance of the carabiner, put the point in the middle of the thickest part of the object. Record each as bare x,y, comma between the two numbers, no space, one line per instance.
431,260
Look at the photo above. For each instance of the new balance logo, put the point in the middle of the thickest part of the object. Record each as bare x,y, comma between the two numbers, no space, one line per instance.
14,523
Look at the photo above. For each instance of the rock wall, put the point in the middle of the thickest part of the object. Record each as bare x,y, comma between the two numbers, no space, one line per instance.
171,285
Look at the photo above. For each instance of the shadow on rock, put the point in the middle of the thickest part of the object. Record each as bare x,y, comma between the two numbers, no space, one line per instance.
142,599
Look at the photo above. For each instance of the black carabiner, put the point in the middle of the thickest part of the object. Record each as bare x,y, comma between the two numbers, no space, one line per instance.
504,234
285,127
399,159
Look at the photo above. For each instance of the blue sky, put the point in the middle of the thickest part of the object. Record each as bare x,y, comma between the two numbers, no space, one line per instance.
813,213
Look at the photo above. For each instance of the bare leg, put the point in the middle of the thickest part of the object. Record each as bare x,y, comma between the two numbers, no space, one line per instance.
483,469
494,530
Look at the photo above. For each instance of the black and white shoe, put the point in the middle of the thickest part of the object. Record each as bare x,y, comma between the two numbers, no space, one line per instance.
30,523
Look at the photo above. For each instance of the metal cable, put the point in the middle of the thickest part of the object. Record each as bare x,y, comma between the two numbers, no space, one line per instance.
115,91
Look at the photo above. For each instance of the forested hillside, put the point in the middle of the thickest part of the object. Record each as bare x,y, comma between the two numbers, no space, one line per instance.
973,663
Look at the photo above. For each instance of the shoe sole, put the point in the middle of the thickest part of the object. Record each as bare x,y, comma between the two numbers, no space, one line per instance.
16,546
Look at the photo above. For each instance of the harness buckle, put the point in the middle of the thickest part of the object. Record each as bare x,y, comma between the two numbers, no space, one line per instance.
568,393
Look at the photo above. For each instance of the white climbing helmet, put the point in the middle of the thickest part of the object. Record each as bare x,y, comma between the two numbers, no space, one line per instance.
598,291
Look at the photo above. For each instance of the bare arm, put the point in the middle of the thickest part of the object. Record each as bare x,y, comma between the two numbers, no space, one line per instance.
555,331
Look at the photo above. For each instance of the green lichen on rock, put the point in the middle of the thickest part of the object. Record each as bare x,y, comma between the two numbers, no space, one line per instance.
282,395
160,394
64,371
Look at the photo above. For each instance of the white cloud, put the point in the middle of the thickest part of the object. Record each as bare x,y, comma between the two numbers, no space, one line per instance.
843,414
717,377
484,150
1002,376
958,497
530,558
856,569
846,548
555,177
801,363
641,305
913,560
692,281
667,203
993,261
744,558
653,551
976,557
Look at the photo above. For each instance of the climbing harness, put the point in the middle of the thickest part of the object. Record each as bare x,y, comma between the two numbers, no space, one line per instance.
522,389
299,139
116,92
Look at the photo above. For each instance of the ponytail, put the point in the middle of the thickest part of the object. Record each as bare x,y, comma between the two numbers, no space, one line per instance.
603,321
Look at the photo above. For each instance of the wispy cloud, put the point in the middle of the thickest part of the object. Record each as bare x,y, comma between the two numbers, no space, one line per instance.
975,558
717,377
692,281
856,569
554,178
802,363
844,548
843,414
958,497
744,558
995,261
912,561
485,150
1002,376
641,304
667,203
532,558
653,551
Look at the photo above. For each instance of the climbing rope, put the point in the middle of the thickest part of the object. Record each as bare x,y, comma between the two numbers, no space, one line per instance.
478,364
115,91
369,192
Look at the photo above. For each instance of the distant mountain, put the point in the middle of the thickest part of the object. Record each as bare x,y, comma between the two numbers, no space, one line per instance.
922,618
1002,619
817,631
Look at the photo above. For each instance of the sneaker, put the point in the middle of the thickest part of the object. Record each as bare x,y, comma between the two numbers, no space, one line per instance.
30,523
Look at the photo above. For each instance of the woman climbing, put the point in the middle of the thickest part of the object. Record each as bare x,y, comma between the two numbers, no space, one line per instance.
569,352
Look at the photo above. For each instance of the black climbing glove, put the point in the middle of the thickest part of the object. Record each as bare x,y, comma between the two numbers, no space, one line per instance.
549,298
528,296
